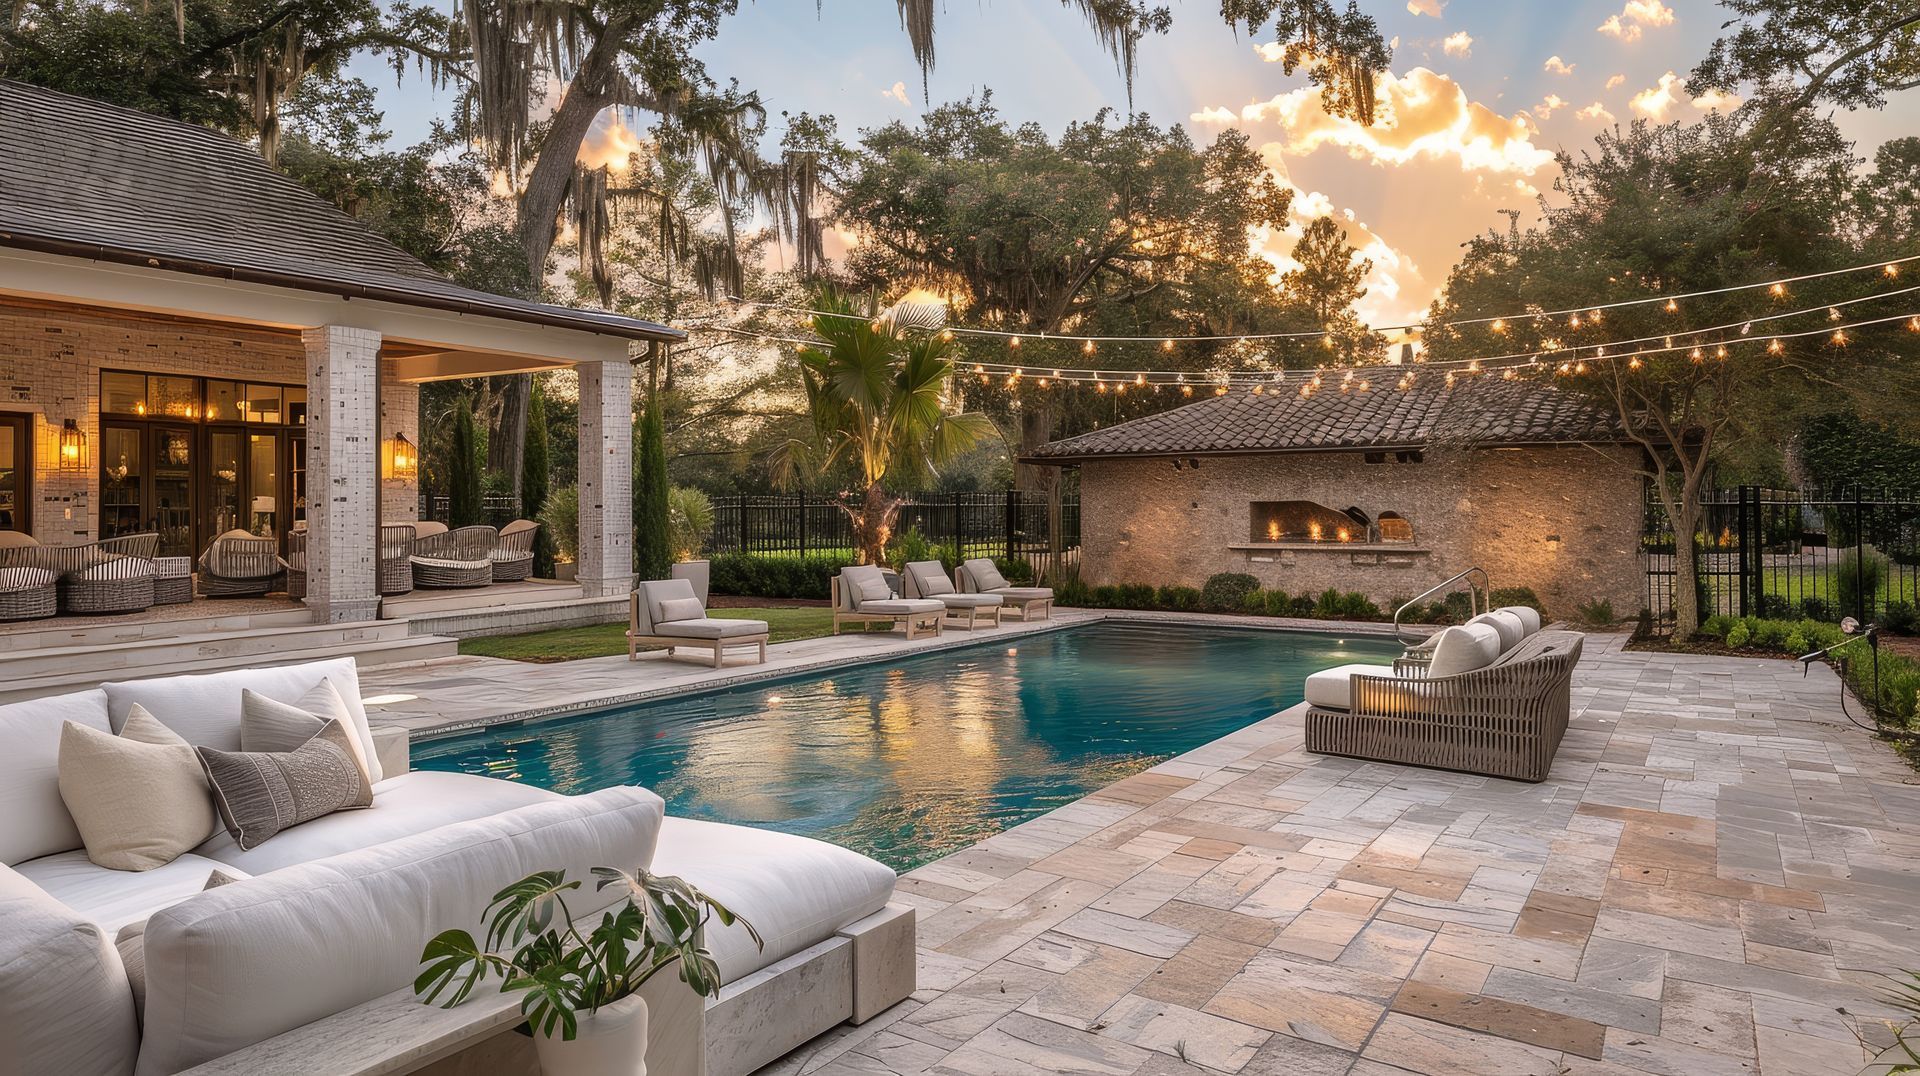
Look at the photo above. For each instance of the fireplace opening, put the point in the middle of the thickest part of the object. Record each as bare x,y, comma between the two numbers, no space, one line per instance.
1305,521
1395,527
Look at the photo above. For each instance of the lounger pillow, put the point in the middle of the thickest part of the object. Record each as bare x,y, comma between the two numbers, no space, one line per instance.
985,575
138,799
1463,649
673,609
261,793
1509,626
1529,616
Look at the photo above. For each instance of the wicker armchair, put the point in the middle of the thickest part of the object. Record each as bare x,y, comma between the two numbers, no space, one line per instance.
111,576
395,570
29,588
452,559
1504,720
239,565
513,551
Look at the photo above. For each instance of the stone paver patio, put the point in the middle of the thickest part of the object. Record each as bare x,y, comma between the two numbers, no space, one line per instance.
1717,866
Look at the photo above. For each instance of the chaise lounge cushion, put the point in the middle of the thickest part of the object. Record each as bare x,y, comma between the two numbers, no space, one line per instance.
64,1002
1529,616
986,574
927,579
971,601
34,821
1509,627
712,628
244,962
902,606
403,806
1330,689
794,890
1024,594
115,898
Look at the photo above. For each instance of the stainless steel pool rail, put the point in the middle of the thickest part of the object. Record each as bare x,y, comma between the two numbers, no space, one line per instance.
1473,599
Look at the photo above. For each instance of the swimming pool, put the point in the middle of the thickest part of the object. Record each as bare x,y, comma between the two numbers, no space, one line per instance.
910,760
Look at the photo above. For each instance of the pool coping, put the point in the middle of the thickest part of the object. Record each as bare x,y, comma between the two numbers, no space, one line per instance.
761,673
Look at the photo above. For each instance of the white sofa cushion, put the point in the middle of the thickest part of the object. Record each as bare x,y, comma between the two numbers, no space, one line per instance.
65,1006
234,965
115,898
1329,688
1529,616
139,798
711,628
796,891
33,819
1464,648
205,709
402,806
1509,627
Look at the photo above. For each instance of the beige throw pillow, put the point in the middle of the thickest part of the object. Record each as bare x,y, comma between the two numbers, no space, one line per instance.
261,793
139,799
132,943
267,725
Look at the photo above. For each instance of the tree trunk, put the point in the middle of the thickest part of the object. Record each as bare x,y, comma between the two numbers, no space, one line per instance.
872,520
1036,429
1686,570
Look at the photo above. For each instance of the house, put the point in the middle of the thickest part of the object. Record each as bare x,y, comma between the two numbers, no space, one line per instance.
192,343
1387,492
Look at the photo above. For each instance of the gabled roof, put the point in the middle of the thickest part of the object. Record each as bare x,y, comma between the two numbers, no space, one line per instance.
1476,411
87,179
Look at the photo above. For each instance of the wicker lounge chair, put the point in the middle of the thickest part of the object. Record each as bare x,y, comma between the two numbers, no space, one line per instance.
1505,719
861,595
115,575
395,570
980,576
928,579
512,552
667,612
29,588
450,560
239,564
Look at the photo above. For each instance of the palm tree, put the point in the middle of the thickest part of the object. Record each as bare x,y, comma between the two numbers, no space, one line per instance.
877,395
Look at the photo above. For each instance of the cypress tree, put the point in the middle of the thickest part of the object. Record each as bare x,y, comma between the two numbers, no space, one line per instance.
463,470
535,477
652,551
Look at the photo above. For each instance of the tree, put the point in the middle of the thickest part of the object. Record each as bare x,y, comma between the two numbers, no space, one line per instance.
1326,285
464,505
877,400
1850,53
652,544
535,478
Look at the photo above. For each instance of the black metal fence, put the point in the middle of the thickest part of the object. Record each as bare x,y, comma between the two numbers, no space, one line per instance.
1792,553
1003,523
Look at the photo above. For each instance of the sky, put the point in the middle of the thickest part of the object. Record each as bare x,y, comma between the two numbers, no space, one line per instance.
1481,95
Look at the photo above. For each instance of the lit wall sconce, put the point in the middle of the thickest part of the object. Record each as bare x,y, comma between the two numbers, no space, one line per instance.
1553,543
73,447
402,458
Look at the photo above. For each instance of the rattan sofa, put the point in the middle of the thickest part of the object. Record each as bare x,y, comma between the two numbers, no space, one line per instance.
1504,720
452,559
241,565
512,553
29,588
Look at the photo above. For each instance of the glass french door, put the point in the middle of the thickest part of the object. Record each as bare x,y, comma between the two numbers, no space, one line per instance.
225,462
16,472
173,453
246,484
264,513
123,480
147,473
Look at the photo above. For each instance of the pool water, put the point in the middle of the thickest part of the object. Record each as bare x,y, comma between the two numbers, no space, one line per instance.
910,760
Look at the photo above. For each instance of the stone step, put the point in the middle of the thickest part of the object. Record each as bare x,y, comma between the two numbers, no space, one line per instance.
514,619
435,602
110,659
378,651
80,632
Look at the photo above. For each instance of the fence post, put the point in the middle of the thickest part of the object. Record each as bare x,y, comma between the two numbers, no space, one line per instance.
1746,538
803,524
1013,519
744,545
1860,598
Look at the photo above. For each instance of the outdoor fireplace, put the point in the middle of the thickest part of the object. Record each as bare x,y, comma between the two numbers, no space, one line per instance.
1305,521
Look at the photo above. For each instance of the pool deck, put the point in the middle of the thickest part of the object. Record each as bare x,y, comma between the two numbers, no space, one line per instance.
1717,865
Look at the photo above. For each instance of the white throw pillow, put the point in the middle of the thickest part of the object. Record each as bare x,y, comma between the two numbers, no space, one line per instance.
268,725
1529,616
673,609
139,799
1463,649
1509,626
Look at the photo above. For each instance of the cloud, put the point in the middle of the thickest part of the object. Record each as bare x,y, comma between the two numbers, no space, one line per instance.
1214,114
1420,115
898,91
1616,81
1548,107
1558,66
1431,8
1458,44
610,142
1396,292
1657,100
1715,101
1595,111
1635,18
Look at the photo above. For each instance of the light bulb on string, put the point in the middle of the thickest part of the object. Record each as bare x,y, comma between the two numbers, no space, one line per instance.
1140,379
1720,352
1839,338
1775,347
1913,325
1186,390
1449,378
1099,385
1166,345
1593,316
1564,369
1580,367
1696,355
946,334
1220,390
1405,383
1499,325
1833,313
1013,342
1364,386
1635,363
1672,307
1890,270
1573,322
1746,329
1508,374
1778,290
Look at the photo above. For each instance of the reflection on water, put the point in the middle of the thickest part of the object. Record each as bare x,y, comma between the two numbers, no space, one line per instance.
912,760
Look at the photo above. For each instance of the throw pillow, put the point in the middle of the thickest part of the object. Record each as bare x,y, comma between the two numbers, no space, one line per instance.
138,799
1464,649
673,609
261,793
132,943
986,576
267,725
875,590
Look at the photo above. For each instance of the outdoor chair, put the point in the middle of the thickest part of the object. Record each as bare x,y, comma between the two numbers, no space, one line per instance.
394,573
1501,716
512,552
115,575
667,612
928,579
456,559
29,589
239,564
981,576
861,595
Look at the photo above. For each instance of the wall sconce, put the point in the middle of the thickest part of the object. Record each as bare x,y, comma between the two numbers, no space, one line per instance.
1553,543
402,458
73,447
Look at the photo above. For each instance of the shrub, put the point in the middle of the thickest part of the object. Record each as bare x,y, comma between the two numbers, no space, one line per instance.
785,575
1775,606
1328,605
1106,596
1456,607
689,522
536,475
1302,605
1136,596
1276,603
1506,596
1070,592
1738,636
914,546
1856,580
1357,606
1816,608
560,518
1598,613
1796,643
1717,625
463,470
1771,634
1016,570
1900,618
652,548
1180,599
1227,592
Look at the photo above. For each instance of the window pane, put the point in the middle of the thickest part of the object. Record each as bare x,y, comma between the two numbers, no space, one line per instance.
174,397
263,403
13,510
223,402
121,475
173,491
296,405
263,483
123,394
223,476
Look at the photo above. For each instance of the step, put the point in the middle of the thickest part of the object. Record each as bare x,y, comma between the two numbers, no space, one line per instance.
434,602
110,660
107,630
381,652
521,617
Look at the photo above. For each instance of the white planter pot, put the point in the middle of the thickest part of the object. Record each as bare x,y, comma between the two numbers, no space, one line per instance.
609,1042
566,572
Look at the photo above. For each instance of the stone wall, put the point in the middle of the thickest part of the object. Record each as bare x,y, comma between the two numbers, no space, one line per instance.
1562,520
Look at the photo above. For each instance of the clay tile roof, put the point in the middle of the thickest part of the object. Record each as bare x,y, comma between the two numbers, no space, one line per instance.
94,180
1478,411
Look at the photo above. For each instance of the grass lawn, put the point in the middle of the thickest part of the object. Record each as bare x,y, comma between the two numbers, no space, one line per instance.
786,624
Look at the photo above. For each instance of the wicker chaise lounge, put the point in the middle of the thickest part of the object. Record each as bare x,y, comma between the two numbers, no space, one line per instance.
981,576
456,559
928,579
1504,719
29,588
861,595
240,565
512,552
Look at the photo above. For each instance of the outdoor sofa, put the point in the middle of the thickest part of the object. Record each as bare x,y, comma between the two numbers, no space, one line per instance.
861,594
982,576
928,579
1470,700
304,962
668,612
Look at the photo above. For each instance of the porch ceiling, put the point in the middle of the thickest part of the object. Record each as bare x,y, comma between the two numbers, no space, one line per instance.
451,365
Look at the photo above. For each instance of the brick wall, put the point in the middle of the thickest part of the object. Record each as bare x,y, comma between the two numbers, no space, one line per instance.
1144,522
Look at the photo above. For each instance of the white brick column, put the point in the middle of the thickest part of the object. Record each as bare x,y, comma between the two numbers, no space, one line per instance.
343,460
606,478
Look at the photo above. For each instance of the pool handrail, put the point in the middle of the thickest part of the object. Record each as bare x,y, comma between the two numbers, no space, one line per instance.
1473,599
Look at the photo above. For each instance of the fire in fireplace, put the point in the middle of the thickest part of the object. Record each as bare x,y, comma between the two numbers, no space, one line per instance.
1305,521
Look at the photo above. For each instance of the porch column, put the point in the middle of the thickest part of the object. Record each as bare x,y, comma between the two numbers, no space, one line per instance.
606,478
343,460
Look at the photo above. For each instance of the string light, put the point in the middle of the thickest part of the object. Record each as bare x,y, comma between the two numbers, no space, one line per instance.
1890,270
1087,347
1166,345
1013,342
1778,290
1775,346
1839,338
1499,325
1635,363
1672,307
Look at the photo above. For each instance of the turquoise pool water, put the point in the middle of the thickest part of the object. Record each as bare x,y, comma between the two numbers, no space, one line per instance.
910,760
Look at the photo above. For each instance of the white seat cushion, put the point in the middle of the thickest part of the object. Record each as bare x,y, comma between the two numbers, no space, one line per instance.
1509,626
1464,648
1329,688
971,601
116,568
1529,616
902,606
711,628
794,890
65,1006
114,898
34,820
1024,594
25,577
436,562
402,806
